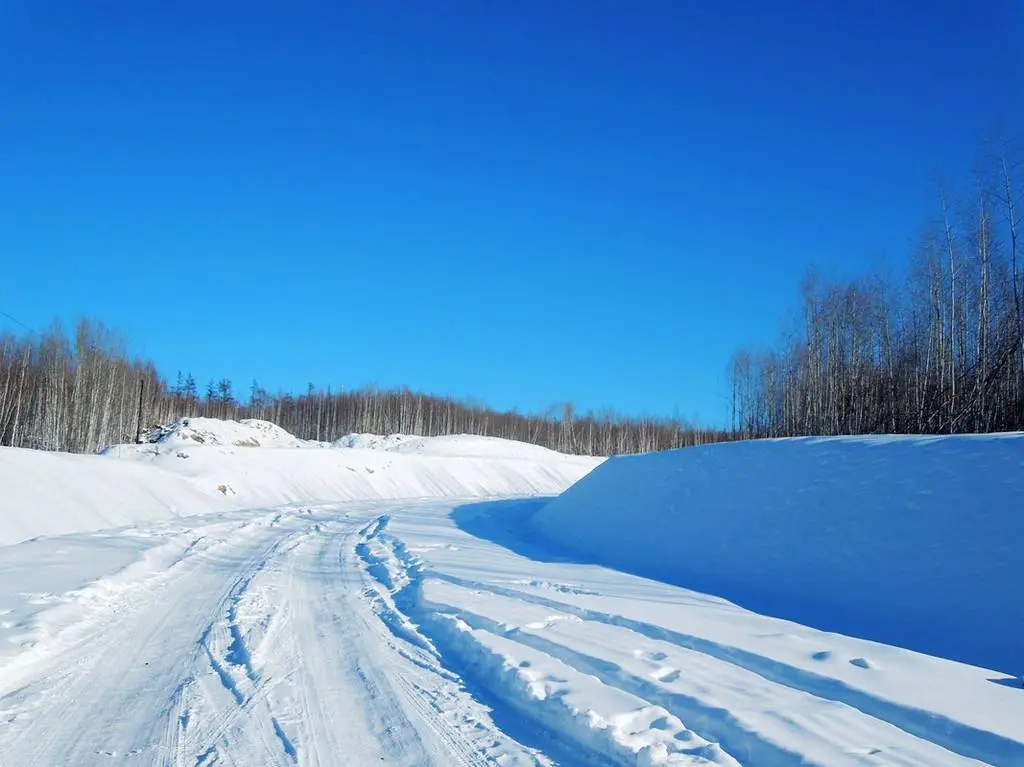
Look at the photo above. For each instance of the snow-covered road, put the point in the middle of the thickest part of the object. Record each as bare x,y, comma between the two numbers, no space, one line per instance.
436,633
250,639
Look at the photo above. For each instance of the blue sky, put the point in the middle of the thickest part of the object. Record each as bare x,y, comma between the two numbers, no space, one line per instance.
527,203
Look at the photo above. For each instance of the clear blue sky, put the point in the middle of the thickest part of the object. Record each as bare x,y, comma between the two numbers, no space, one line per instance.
524,202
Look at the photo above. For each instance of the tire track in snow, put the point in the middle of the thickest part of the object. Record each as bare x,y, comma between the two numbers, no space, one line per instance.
390,583
230,661
547,724
338,702
299,646
85,705
951,735
715,723
257,640
743,712
439,697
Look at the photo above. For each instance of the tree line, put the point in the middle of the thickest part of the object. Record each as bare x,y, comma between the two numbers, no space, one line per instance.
939,350
84,392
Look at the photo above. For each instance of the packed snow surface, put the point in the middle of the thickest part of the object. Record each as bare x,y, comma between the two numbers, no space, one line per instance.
423,631
908,540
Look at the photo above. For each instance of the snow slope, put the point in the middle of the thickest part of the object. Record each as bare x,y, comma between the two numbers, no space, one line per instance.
434,632
459,445
910,541
44,493
202,464
249,432
254,463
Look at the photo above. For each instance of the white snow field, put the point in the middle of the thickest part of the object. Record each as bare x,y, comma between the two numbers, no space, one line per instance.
377,628
912,541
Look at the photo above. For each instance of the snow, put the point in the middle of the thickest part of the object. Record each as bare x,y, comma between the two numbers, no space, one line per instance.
906,540
471,446
204,464
249,432
262,477
377,628
767,691
371,441
44,493
459,445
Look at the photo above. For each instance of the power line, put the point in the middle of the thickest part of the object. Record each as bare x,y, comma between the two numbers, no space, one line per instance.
15,320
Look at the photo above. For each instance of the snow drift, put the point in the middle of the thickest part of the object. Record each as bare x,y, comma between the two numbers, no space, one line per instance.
203,464
43,493
249,432
910,541
460,445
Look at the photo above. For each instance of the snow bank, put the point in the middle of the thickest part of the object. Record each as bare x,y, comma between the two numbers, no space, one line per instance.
203,464
458,445
371,441
272,476
607,723
911,541
249,432
45,493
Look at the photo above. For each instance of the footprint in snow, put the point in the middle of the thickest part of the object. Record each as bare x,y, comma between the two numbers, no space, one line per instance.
550,621
867,751
665,674
661,723
862,663
44,598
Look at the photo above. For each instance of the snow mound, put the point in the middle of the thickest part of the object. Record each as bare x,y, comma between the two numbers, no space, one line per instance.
249,432
910,541
252,432
455,445
203,464
371,441
47,493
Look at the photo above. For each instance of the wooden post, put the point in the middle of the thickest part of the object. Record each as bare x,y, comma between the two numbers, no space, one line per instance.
138,429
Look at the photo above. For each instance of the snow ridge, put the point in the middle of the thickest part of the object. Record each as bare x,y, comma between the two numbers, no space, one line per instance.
202,464
906,540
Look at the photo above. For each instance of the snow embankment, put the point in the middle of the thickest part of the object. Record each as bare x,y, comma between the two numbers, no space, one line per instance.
43,493
202,464
249,432
910,541
458,445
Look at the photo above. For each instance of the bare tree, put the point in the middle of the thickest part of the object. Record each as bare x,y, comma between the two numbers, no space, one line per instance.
943,352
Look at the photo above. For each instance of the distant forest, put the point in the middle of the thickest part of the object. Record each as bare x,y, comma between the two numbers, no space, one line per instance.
82,393
939,350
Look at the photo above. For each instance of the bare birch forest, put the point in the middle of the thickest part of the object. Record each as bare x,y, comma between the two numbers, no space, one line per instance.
939,351
82,393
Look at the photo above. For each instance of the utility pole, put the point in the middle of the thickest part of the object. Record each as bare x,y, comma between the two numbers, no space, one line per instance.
138,429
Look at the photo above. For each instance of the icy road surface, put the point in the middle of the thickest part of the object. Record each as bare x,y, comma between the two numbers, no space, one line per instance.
432,633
